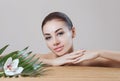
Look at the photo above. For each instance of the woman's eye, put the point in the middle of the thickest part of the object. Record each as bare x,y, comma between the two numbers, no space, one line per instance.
47,38
60,33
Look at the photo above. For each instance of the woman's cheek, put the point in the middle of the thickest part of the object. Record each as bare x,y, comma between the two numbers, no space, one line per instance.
49,44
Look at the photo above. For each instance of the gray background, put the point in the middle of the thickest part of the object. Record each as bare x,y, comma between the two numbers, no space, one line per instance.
97,23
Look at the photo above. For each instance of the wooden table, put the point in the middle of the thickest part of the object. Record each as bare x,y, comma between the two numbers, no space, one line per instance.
74,73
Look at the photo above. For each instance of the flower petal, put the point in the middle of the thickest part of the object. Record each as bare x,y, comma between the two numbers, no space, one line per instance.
15,63
9,73
8,62
19,70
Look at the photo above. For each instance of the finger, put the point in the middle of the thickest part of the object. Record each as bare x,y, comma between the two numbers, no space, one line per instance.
71,61
74,56
80,51
78,60
77,52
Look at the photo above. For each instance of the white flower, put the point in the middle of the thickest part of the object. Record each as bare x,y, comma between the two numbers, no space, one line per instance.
11,67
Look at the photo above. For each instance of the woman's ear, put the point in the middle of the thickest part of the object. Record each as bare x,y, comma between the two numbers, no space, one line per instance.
73,32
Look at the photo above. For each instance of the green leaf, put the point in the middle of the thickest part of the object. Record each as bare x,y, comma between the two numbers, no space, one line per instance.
2,49
24,56
26,60
3,59
1,74
28,67
23,51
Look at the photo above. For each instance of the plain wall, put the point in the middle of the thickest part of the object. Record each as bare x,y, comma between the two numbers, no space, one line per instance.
97,23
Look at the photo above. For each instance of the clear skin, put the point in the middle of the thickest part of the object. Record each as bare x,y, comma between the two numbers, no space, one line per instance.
59,40
58,37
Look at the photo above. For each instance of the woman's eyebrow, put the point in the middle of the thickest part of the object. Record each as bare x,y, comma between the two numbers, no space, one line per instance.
55,31
58,30
46,34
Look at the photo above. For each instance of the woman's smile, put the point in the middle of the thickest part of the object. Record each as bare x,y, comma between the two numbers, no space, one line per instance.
58,48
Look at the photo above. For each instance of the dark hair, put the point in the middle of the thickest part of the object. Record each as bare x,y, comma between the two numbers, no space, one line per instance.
58,15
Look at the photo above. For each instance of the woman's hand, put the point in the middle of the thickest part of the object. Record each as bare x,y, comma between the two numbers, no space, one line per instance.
67,58
87,56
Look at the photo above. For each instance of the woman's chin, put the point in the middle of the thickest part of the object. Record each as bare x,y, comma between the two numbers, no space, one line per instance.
60,53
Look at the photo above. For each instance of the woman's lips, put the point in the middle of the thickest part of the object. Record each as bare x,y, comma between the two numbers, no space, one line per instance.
58,49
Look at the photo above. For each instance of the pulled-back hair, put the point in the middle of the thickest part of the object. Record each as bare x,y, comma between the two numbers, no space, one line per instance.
60,16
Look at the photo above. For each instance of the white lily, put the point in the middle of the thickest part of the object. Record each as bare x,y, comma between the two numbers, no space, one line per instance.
11,67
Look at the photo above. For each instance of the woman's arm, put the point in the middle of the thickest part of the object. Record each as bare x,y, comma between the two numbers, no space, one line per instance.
45,58
65,59
91,55
113,55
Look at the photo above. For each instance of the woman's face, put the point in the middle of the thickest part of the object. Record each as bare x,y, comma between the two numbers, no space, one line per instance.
58,37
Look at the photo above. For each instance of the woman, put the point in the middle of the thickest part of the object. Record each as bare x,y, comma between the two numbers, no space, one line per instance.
59,32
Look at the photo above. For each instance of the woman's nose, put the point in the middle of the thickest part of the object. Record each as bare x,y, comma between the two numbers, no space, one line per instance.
56,41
